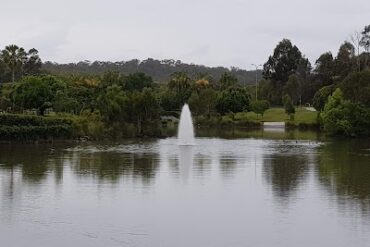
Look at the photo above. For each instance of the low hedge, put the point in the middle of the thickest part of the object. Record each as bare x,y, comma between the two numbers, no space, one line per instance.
28,128
35,132
28,120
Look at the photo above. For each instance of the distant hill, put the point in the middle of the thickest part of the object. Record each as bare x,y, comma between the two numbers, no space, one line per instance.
160,71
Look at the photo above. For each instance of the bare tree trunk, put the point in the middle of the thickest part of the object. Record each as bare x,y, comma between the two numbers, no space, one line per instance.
356,42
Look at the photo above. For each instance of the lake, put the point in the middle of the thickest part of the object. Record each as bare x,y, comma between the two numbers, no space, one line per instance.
233,188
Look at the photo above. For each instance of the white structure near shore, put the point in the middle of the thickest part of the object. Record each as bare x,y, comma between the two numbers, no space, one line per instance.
274,124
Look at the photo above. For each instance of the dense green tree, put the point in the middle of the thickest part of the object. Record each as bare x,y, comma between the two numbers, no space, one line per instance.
32,64
304,68
325,69
137,81
227,80
342,117
335,115
283,63
288,105
265,91
321,97
111,77
85,93
37,92
14,57
293,88
111,103
181,84
260,106
63,102
345,60
232,100
169,101
356,87
144,108
203,102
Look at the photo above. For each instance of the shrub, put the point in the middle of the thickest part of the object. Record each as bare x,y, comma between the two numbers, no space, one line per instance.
342,117
260,106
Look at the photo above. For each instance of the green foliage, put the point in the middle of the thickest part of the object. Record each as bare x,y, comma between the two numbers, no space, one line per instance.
104,99
137,81
293,88
260,106
345,60
37,92
13,57
169,100
321,97
25,120
283,63
181,84
145,105
356,87
227,80
335,114
63,102
32,64
111,103
17,62
110,78
24,128
288,105
287,60
342,117
325,69
203,102
88,124
232,100
159,70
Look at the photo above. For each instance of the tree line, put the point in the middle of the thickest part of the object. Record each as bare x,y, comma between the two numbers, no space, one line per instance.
16,62
337,86
159,70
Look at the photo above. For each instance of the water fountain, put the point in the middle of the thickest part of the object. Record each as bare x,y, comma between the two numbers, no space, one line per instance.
186,131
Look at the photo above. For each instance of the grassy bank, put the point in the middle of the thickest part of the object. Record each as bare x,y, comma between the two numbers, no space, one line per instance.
302,118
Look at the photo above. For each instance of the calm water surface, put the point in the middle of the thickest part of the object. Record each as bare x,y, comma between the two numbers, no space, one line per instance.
257,190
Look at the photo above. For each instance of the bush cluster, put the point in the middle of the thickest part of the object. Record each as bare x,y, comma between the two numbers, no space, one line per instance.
27,128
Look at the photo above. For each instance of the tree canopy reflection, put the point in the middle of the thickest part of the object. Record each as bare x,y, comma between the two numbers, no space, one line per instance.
344,170
285,172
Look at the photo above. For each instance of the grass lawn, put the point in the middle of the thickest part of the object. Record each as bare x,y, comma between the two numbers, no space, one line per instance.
278,114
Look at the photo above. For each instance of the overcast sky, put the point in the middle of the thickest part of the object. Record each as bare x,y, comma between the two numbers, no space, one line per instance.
210,32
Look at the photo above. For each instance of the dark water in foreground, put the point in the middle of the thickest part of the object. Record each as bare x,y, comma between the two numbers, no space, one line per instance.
261,191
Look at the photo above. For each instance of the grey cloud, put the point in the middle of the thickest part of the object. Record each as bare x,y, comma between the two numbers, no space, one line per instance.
211,32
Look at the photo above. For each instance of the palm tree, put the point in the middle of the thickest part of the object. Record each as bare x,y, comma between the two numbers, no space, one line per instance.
180,81
14,57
